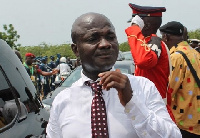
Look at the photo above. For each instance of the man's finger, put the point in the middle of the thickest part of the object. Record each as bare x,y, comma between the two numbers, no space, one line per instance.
118,70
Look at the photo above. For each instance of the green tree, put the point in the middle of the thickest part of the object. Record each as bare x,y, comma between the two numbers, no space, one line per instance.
124,47
10,36
195,34
48,50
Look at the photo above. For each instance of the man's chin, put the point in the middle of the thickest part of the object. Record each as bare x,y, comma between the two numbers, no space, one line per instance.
99,68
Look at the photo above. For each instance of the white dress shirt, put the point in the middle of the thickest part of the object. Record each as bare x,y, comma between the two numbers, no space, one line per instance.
64,68
144,116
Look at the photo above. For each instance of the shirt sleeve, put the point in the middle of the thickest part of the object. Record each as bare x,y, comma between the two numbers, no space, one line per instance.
149,115
143,56
53,130
58,67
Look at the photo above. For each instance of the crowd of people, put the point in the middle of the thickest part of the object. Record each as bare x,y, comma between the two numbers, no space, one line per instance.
162,99
43,73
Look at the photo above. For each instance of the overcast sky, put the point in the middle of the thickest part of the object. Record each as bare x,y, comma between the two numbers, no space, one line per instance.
50,21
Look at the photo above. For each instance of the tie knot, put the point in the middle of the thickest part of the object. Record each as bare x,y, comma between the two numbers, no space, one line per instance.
96,87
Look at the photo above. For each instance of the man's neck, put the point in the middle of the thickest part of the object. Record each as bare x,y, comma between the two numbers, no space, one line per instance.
93,76
28,64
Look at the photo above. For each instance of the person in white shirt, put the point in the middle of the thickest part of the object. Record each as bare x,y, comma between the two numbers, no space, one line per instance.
63,68
134,107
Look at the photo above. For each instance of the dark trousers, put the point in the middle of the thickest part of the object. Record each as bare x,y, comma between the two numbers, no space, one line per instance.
186,134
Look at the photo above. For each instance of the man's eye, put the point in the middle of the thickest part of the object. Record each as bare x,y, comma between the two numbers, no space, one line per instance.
91,39
111,37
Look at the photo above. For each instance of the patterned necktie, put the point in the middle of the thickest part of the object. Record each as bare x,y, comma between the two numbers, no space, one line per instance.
98,112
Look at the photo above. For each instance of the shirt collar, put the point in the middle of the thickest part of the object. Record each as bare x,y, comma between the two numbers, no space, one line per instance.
174,48
85,78
149,37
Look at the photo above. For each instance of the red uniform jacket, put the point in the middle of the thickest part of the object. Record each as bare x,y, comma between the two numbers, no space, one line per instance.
151,60
150,57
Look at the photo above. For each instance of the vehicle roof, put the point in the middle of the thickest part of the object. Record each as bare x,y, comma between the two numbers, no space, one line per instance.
14,70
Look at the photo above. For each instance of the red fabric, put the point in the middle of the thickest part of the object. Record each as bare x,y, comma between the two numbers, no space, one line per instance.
170,113
30,55
148,64
39,71
159,14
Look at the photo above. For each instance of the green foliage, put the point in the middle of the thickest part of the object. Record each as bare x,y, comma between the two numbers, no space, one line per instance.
48,50
51,50
124,47
10,36
194,34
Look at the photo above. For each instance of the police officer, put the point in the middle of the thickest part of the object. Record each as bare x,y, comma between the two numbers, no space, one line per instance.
52,65
45,79
58,59
33,69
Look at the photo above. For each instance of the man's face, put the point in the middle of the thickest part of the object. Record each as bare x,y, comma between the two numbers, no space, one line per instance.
98,45
29,60
194,44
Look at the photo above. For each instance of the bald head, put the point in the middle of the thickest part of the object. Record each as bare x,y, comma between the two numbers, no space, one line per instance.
86,22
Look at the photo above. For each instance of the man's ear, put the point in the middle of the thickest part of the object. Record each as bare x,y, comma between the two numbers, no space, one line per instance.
165,37
75,49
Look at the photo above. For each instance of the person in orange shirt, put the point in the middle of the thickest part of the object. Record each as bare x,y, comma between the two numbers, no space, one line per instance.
185,91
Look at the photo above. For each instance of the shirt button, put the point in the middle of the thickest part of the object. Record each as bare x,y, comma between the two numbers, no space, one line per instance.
127,110
144,133
133,117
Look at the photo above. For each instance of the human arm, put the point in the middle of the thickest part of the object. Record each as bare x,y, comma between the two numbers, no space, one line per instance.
53,129
145,109
44,73
144,56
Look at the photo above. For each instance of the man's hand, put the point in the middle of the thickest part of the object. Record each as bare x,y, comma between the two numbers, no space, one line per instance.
119,81
55,71
137,20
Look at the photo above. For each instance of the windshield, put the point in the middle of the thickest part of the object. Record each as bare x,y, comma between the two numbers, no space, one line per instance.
128,56
73,77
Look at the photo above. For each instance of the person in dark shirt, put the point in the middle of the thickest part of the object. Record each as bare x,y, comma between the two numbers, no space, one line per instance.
33,69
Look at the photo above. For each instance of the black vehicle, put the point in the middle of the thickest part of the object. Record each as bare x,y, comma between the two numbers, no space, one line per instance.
21,112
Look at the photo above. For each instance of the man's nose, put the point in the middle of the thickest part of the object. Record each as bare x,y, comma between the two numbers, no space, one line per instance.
104,43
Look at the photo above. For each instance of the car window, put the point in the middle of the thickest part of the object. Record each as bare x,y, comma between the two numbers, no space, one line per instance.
74,76
123,68
127,56
7,114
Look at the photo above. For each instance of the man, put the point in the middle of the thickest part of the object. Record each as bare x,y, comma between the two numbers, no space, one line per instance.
198,48
149,53
52,65
63,68
69,63
133,106
45,79
194,43
182,85
33,70
58,59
